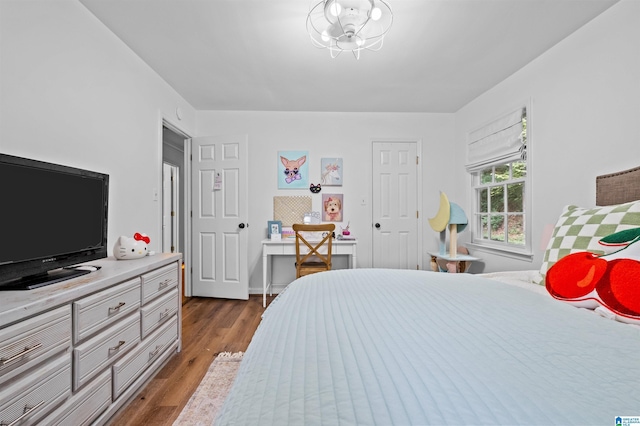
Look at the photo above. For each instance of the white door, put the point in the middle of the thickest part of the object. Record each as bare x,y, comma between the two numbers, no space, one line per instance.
219,208
395,205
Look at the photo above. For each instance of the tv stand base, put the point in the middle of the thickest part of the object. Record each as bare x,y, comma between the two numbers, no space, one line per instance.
37,281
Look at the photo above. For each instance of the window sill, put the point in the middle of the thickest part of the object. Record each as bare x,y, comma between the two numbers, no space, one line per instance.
502,251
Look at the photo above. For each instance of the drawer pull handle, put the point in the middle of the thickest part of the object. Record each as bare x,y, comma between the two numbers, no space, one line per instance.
116,308
155,352
164,314
27,410
164,283
115,348
26,351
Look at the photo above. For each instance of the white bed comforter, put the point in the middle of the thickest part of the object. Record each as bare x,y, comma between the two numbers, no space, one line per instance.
390,347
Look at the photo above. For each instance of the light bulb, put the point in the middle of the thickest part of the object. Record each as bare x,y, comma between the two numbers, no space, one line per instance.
335,8
376,13
325,36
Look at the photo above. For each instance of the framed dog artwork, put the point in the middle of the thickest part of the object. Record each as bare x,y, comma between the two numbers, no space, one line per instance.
332,207
293,169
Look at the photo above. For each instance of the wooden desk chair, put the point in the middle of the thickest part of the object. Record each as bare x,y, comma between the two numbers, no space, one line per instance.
315,260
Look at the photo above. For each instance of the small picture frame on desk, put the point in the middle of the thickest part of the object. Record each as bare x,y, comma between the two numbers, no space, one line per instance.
274,230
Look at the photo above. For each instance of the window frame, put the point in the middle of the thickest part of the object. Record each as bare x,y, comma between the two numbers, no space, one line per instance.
504,248
478,230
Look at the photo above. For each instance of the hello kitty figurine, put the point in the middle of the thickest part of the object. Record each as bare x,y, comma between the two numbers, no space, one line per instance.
131,248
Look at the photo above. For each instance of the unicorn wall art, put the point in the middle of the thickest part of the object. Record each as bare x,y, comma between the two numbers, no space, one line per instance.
331,174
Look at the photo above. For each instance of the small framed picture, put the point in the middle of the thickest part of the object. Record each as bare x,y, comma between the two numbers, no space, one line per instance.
333,208
274,227
331,171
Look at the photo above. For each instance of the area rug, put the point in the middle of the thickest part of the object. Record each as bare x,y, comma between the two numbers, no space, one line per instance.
206,401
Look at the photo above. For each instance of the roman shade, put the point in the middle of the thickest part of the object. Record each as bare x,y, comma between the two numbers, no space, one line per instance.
498,142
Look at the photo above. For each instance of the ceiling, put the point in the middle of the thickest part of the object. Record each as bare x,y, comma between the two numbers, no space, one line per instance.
256,55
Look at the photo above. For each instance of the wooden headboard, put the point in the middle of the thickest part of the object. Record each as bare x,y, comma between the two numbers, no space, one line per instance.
617,188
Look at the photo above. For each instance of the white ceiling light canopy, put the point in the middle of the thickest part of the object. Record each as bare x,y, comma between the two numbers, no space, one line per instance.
351,25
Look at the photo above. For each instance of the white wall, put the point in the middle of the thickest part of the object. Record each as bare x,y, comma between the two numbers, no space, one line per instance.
72,93
331,135
585,93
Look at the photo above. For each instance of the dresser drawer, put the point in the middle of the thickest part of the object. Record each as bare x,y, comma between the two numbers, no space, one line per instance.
36,394
160,281
126,370
32,341
343,249
85,406
97,311
291,248
158,311
97,353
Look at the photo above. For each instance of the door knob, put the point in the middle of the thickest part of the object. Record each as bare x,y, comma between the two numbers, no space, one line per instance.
377,225
241,226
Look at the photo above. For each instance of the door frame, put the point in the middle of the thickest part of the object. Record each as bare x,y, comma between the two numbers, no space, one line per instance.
419,193
171,202
186,186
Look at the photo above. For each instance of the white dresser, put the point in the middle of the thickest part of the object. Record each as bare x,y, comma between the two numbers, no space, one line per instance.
75,352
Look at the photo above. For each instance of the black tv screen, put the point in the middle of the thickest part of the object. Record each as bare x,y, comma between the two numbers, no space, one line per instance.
52,217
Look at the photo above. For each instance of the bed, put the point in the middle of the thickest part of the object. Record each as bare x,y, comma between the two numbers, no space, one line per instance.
391,347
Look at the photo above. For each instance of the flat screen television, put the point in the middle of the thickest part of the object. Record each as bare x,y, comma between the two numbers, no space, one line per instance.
52,218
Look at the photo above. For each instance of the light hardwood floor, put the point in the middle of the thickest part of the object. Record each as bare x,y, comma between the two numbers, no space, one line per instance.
209,326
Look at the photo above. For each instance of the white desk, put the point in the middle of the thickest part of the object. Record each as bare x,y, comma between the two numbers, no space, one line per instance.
287,247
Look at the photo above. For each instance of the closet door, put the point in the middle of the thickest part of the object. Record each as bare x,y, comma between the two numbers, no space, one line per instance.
395,229
219,209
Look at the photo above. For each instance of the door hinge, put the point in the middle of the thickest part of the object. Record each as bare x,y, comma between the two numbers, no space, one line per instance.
417,214
417,267
417,160
173,214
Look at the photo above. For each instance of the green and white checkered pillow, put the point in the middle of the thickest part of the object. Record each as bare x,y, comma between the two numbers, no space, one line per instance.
580,229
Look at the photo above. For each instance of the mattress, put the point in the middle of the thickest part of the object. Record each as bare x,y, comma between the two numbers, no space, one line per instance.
392,347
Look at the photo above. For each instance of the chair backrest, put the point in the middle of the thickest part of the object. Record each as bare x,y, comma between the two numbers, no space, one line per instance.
318,257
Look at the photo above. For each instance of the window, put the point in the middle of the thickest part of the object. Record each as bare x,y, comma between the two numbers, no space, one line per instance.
497,163
500,214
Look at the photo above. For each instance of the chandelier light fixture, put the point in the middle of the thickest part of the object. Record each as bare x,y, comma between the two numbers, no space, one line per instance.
349,25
